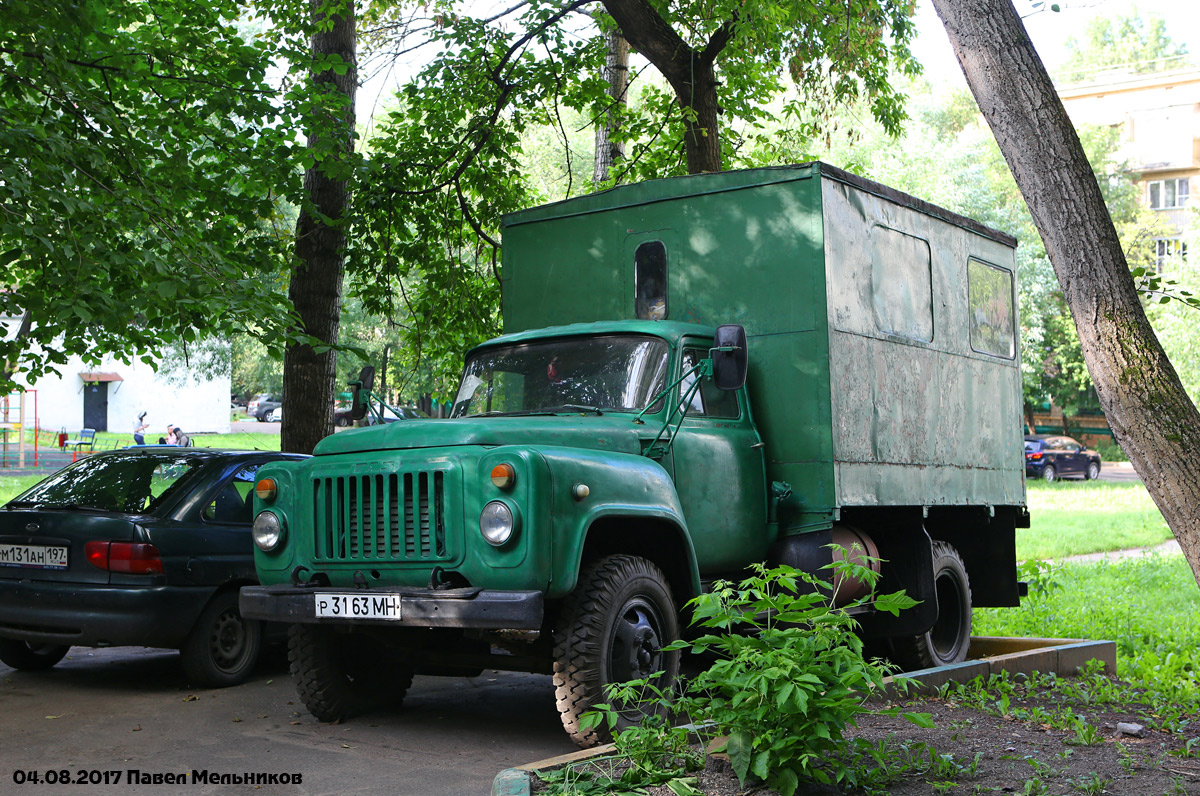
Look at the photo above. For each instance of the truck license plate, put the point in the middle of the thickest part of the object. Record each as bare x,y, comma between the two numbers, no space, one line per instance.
34,556
358,606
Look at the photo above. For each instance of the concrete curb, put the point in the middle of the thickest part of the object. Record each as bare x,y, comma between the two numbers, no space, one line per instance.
997,654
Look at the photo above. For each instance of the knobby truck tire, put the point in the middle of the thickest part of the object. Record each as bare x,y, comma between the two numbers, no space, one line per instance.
223,648
338,676
950,637
31,657
609,630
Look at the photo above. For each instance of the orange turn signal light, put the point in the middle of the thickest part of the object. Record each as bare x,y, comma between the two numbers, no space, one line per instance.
504,476
266,489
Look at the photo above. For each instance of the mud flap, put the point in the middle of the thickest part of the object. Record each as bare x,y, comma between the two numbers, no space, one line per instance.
908,564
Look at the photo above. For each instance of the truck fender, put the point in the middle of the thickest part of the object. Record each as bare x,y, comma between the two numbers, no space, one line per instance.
631,506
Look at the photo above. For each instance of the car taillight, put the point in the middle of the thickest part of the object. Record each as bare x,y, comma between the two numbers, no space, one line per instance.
134,558
1034,456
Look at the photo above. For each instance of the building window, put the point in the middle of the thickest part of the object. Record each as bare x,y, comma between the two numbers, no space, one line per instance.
1166,249
1165,194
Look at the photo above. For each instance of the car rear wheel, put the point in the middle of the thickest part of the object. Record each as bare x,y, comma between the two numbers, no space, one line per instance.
1049,474
950,637
1093,472
224,646
31,657
272,416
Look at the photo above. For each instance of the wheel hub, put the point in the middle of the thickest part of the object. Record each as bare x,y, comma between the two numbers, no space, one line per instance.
636,646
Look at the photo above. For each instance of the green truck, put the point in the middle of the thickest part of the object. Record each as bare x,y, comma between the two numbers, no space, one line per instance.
604,461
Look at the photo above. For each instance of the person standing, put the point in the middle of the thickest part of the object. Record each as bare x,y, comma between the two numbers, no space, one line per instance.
139,428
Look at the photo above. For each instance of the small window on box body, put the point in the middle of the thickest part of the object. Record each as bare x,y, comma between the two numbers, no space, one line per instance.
650,276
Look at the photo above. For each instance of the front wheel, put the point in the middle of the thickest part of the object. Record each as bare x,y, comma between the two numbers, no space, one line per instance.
31,657
611,629
342,675
223,648
950,637
1049,474
1093,472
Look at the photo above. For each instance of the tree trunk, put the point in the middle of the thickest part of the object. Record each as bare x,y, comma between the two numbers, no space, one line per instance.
690,73
616,74
1150,414
309,377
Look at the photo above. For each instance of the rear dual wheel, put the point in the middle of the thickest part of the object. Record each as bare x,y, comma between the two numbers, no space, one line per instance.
950,637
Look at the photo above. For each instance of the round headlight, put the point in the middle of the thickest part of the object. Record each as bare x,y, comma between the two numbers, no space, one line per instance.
268,531
496,523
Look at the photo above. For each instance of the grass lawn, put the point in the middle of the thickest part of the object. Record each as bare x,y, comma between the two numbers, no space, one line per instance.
1149,606
1075,517
11,486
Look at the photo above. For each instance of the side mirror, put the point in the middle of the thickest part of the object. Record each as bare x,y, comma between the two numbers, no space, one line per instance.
366,380
730,357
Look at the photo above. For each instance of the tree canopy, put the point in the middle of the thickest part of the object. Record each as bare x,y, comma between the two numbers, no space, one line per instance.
1129,43
445,162
143,154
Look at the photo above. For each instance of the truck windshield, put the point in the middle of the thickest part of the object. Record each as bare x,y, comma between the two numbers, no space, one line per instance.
619,373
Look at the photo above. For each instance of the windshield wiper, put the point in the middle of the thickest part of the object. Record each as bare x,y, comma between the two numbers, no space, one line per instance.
518,413
579,408
21,503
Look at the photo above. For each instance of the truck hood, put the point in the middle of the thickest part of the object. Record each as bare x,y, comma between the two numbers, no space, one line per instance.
616,433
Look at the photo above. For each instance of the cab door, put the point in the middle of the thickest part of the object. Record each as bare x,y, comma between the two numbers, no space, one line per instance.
719,468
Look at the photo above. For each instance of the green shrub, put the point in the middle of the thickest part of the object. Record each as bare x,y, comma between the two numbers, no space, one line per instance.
789,676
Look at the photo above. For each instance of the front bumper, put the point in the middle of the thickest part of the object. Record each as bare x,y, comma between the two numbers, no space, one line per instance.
91,615
458,608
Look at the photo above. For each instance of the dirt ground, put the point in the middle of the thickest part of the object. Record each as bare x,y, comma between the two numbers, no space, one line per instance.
979,753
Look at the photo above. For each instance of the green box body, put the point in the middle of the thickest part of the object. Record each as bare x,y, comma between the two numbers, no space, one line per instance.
854,408
883,389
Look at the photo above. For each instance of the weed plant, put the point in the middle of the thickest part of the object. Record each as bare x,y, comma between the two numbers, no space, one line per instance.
788,678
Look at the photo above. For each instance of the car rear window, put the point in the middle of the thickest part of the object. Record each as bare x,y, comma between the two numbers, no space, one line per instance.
1033,445
125,483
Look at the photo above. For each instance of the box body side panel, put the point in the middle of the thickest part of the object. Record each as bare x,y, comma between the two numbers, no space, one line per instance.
920,416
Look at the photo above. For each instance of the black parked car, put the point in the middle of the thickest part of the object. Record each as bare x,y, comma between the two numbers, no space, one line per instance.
1050,457
145,546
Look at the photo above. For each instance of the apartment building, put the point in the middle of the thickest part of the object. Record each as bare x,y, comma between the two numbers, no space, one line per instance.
1159,115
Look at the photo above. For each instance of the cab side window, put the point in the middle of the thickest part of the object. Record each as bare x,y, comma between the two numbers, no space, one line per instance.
708,401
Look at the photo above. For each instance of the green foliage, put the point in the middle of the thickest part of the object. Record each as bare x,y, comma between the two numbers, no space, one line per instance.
1127,43
142,157
1149,606
446,163
788,678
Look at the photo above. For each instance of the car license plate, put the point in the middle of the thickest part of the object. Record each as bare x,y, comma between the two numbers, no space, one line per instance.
34,556
358,606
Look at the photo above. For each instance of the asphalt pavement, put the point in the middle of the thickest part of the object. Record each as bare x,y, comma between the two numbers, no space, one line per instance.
123,709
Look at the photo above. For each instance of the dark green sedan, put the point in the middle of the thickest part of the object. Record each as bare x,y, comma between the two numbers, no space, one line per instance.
144,546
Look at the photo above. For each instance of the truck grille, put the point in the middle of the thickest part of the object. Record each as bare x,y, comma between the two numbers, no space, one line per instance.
381,517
